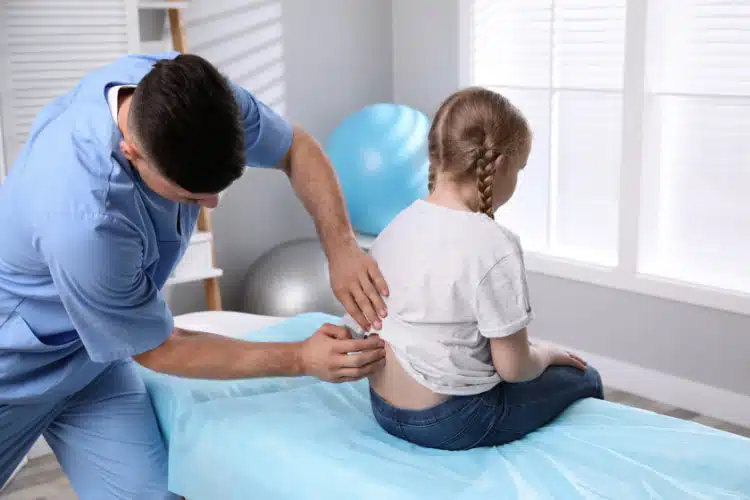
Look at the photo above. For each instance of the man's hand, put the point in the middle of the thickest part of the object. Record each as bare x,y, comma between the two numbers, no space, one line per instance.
331,354
358,284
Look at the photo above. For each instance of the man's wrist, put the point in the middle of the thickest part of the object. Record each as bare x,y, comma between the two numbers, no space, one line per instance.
268,359
297,365
340,242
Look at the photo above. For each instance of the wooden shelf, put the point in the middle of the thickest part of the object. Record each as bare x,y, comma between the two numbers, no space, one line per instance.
195,276
199,236
162,4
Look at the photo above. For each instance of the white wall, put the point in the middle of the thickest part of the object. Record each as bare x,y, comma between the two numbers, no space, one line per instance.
425,52
337,58
695,343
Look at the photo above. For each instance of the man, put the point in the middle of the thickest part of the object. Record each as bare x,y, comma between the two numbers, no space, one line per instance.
95,214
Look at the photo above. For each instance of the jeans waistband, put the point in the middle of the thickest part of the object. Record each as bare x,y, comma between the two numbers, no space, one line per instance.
443,410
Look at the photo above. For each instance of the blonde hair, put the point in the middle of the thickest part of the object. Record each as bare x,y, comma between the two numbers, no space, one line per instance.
472,131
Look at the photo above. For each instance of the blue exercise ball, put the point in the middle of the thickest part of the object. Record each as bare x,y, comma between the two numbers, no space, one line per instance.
380,157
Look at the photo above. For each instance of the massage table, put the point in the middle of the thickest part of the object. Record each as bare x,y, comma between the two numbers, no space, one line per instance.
299,438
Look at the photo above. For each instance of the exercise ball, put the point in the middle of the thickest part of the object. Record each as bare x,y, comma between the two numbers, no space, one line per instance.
380,157
290,279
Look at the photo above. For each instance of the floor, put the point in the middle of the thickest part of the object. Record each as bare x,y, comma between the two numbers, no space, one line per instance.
42,478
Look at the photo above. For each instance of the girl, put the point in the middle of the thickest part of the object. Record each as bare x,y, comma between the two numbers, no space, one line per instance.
460,371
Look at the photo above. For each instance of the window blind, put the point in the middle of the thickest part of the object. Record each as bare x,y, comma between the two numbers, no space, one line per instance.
49,46
562,63
696,179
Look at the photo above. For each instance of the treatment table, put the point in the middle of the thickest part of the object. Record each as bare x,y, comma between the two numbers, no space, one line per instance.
300,438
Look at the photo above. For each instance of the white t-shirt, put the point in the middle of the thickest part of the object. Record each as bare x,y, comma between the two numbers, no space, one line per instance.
456,279
112,94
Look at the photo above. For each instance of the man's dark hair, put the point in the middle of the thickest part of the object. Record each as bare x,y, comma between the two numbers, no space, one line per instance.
186,119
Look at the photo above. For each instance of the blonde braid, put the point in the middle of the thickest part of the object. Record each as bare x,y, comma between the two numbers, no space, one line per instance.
485,172
431,178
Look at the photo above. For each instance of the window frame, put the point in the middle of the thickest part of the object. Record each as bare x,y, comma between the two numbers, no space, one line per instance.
625,275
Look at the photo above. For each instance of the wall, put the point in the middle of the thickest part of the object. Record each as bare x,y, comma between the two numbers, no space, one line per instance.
699,344
425,52
337,58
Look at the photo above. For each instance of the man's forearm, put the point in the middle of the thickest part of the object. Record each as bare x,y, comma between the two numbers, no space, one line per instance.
314,180
208,356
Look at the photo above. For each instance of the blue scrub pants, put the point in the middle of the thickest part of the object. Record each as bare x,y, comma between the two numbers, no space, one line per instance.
106,438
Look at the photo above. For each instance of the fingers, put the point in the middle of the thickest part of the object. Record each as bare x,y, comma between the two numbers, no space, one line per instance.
377,277
366,307
352,374
373,342
356,313
375,299
362,359
576,362
578,358
335,331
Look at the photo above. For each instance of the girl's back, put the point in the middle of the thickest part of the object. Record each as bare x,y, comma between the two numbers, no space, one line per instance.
458,357
437,261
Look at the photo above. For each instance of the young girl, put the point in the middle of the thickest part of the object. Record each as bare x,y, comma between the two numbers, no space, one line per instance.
460,371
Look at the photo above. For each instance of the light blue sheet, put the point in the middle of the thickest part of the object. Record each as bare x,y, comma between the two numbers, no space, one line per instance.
173,396
300,439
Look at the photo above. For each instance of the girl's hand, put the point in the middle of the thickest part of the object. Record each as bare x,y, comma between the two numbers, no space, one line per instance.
564,358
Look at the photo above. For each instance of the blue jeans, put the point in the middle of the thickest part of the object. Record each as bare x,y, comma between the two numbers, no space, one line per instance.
503,414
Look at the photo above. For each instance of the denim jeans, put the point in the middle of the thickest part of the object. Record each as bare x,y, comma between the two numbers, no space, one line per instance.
503,414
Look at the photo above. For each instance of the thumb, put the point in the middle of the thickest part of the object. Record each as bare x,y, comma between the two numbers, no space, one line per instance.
335,332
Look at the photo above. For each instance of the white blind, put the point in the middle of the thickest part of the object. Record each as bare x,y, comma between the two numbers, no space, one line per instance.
562,63
244,39
697,170
50,45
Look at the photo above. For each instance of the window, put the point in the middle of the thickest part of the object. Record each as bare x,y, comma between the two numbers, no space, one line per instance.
639,176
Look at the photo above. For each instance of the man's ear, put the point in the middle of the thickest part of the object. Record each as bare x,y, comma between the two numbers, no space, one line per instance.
130,150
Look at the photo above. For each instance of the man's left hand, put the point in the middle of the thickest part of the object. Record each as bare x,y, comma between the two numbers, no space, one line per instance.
359,285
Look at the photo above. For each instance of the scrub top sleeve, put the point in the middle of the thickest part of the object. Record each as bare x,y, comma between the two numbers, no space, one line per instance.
268,136
96,263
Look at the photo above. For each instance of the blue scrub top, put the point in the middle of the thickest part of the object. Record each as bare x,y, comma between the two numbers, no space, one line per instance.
86,246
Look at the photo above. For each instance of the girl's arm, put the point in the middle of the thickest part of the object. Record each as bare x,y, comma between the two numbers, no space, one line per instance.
503,313
517,360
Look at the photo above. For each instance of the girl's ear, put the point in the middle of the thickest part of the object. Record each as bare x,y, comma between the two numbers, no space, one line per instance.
502,165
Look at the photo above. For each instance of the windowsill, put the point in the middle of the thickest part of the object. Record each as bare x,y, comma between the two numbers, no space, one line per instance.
690,293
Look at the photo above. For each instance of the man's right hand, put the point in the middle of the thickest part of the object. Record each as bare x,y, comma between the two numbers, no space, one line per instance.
332,355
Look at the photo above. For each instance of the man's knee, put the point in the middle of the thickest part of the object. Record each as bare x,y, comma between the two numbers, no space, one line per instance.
133,481
146,485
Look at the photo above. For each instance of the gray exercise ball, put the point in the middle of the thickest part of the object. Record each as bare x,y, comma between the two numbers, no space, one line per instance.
290,279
